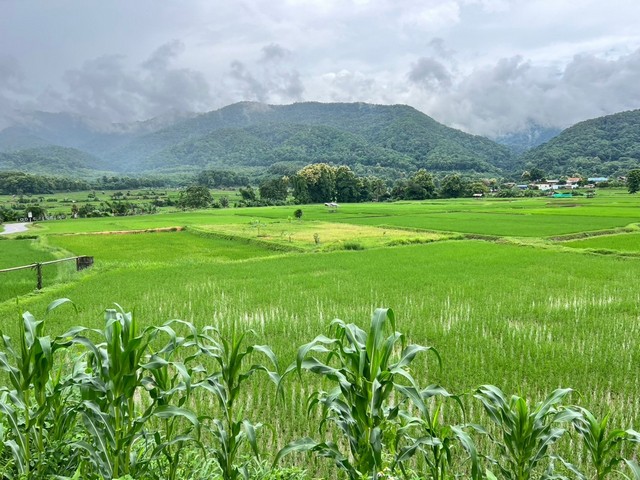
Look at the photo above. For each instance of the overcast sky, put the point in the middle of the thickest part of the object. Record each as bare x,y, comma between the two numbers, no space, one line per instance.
485,66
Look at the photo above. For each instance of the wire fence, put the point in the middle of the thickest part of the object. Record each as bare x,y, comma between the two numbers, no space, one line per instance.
82,262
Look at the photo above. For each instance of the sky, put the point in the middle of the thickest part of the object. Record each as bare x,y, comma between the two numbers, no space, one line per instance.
488,67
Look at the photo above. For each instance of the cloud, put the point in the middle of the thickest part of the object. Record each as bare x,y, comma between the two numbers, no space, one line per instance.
107,88
514,93
12,89
429,72
271,79
274,53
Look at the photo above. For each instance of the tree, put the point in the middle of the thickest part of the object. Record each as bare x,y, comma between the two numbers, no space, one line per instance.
248,194
633,181
320,180
419,186
347,190
196,196
274,189
300,190
424,180
536,174
454,186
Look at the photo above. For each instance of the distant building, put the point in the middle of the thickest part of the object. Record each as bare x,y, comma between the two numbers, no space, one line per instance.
596,180
573,180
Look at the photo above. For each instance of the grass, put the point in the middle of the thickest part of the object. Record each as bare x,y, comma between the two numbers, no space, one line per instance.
323,236
15,253
628,242
524,318
157,247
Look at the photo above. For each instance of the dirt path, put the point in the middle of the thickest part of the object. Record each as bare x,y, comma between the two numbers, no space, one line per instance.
10,228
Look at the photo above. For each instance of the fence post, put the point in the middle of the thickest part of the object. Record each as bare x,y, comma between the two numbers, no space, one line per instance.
39,274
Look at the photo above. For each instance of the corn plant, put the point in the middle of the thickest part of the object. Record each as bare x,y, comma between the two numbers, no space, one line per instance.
112,380
32,406
431,438
170,378
603,445
524,433
226,383
367,371
635,470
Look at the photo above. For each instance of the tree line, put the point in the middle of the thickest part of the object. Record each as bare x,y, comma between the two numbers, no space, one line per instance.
321,182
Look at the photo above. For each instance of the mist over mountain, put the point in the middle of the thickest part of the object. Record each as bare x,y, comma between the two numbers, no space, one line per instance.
367,137
522,140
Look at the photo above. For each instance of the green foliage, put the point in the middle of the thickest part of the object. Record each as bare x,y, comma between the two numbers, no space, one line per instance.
221,178
524,433
605,146
274,189
49,160
320,183
419,186
231,431
603,445
433,439
454,186
34,408
347,188
195,196
633,181
366,373
14,182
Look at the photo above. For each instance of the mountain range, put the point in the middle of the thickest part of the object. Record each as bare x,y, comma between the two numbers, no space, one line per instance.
384,140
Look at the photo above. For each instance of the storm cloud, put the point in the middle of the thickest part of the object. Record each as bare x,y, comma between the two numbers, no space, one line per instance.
514,93
485,66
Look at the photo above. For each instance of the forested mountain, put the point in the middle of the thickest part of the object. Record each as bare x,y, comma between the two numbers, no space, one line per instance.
356,134
373,139
604,146
389,141
63,161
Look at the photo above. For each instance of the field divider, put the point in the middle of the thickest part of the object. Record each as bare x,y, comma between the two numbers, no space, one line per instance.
125,232
251,241
631,228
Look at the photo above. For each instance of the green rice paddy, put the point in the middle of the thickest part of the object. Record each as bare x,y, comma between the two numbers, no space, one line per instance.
524,318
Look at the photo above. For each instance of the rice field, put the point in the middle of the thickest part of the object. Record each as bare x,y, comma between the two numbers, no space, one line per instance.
526,319
626,242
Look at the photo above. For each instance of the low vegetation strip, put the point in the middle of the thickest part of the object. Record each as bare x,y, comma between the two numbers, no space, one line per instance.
631,228
214,232
128,232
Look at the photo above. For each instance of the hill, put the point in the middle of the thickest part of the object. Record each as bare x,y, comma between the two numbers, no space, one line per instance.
52,160
604,146
361,135
18,138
